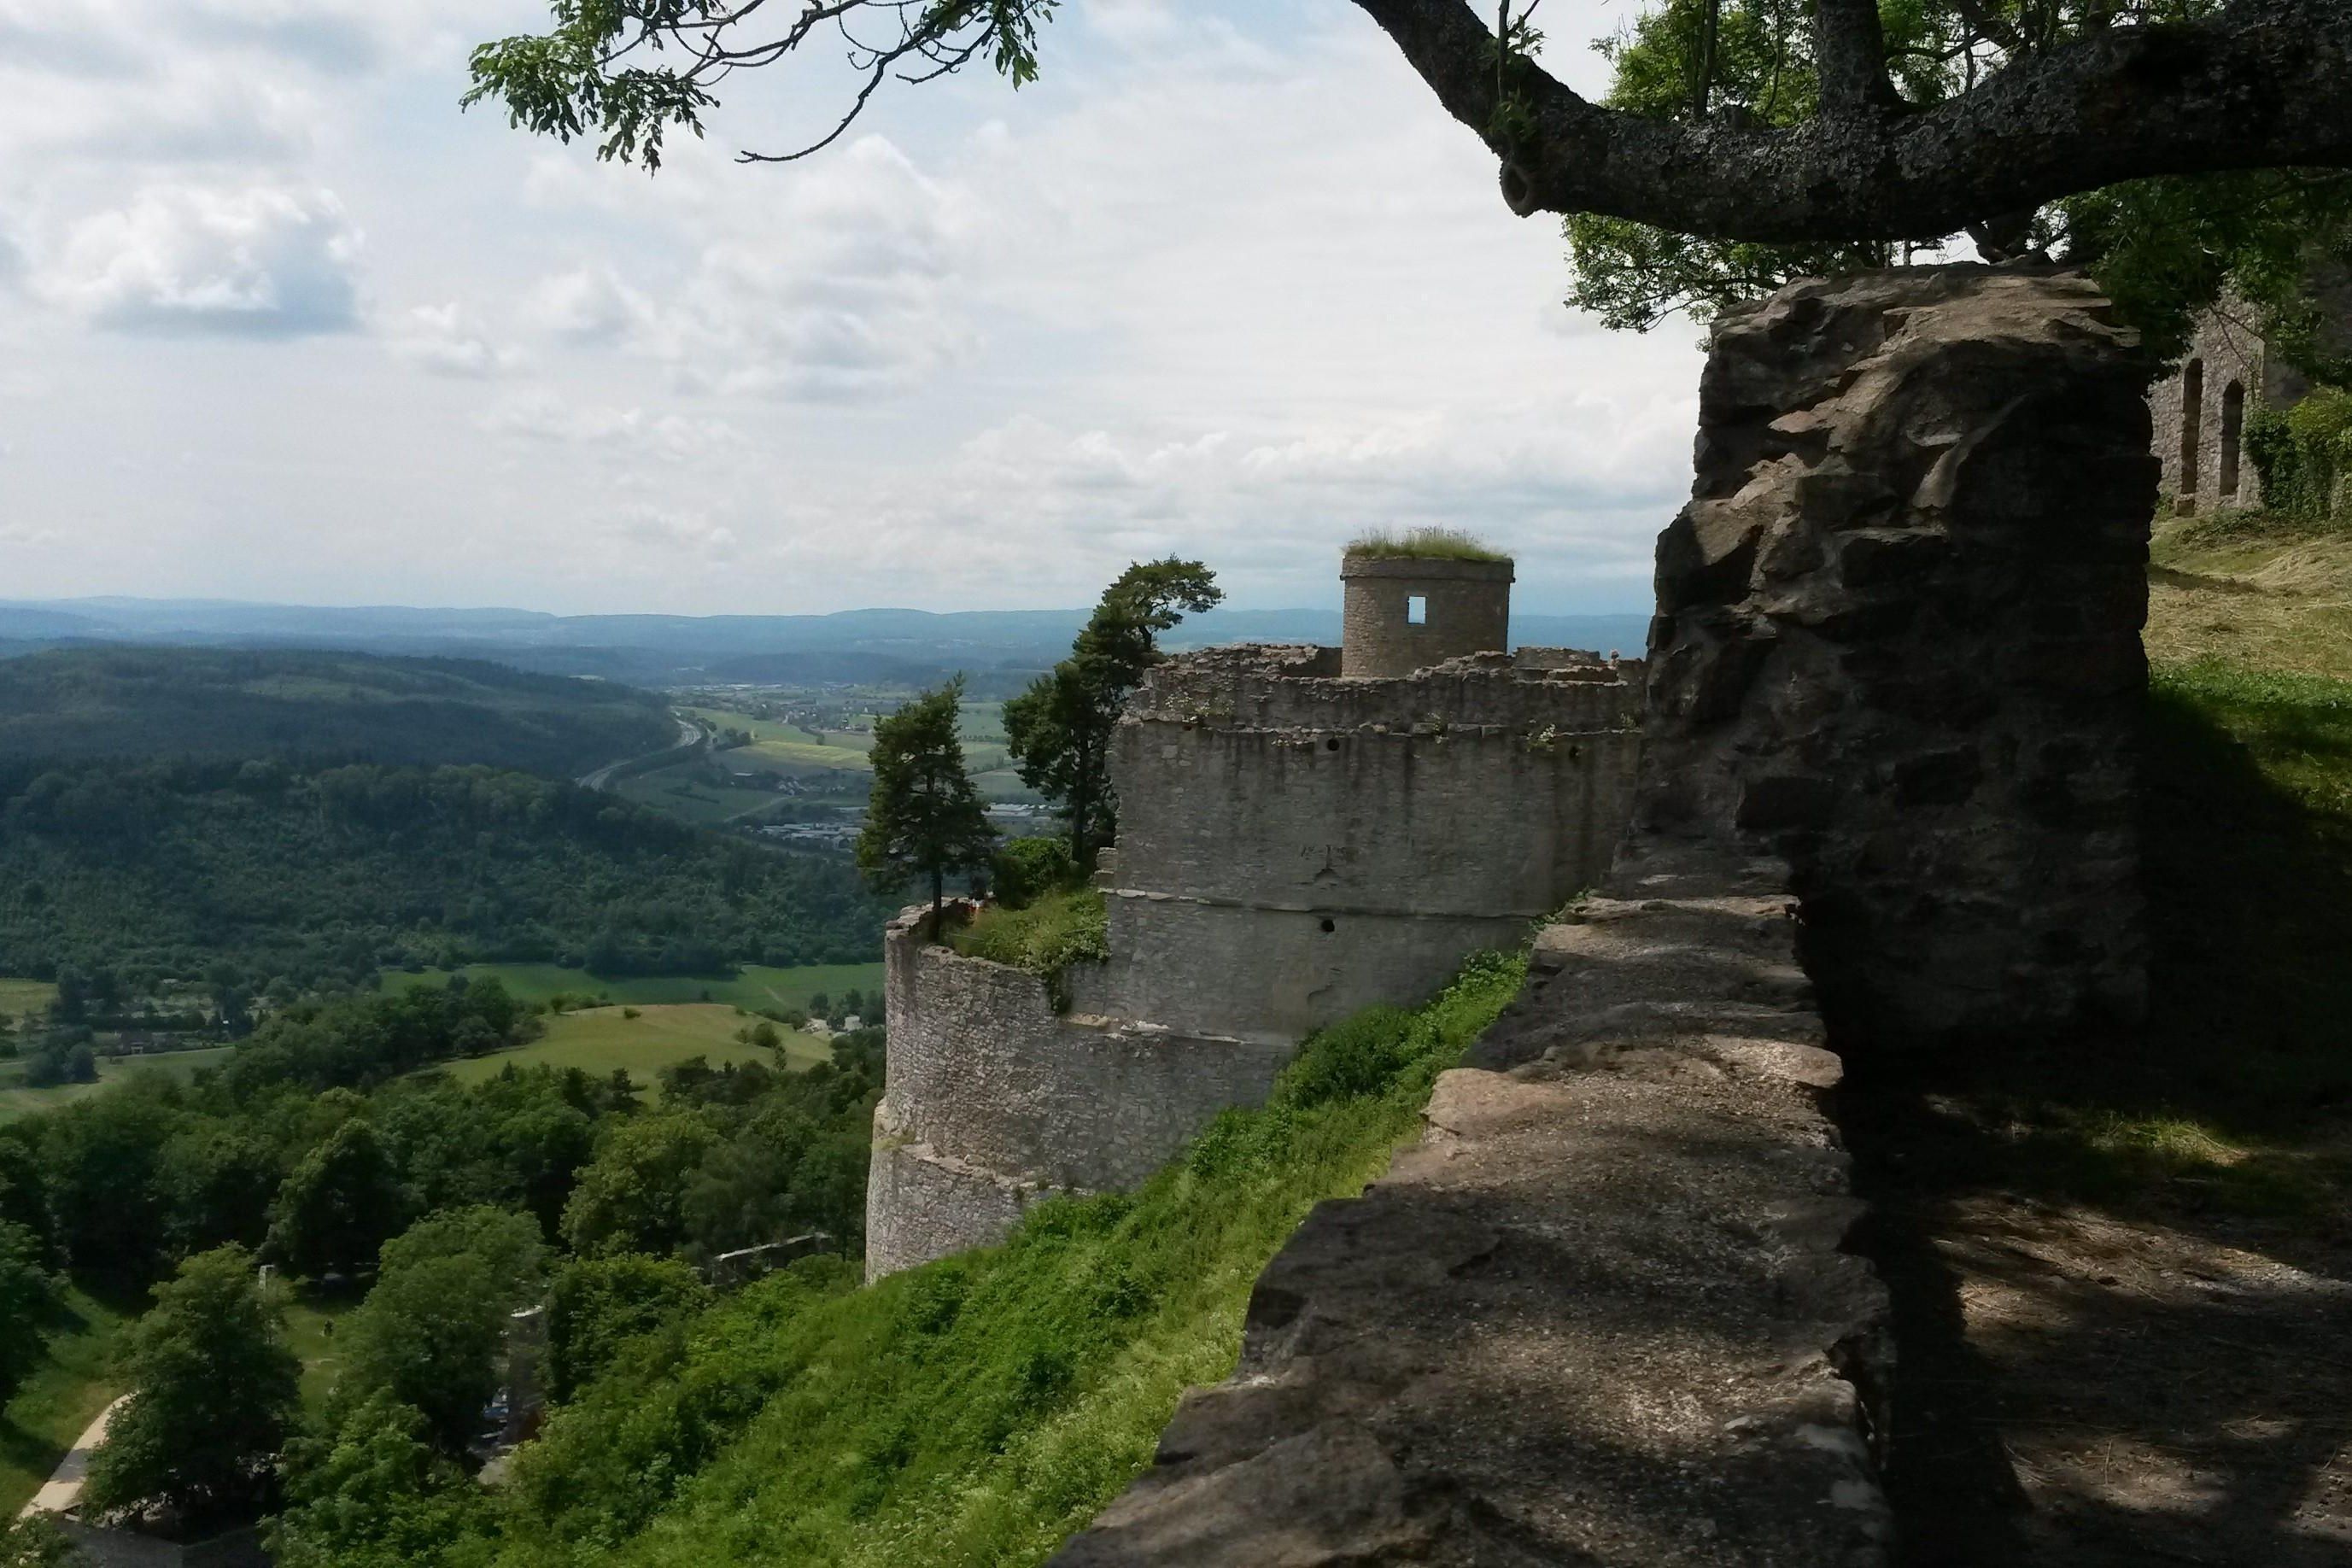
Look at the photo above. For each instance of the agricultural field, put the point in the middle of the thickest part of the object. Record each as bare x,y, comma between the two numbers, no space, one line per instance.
600,1040
754,986
687,793
17,1101
21,998
808,751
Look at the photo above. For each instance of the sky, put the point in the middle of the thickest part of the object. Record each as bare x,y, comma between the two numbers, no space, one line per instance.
279,322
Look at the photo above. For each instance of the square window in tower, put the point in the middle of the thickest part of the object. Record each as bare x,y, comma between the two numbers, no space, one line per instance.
1416,610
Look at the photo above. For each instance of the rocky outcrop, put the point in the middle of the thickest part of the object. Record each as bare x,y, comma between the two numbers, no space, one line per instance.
1599,1316
1898,641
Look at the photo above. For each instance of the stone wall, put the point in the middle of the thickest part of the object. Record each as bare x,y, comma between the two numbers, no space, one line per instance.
1466,605
1293,849
2200,445
2227,348
993,1097
1601,1315
1898,641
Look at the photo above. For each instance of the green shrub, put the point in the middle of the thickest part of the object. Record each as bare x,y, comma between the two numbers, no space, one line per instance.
2303,453
1045,938
1421,545
1027,869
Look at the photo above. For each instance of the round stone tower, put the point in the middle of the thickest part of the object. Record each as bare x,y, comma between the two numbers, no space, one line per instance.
1408,612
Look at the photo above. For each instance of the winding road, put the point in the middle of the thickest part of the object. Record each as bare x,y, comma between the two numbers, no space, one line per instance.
689,733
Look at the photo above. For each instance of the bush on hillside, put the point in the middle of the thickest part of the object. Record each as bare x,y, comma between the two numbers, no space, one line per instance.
1027,869
978,1409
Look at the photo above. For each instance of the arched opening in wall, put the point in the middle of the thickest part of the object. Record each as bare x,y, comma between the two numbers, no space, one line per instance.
1329,926
2233,429
2193,431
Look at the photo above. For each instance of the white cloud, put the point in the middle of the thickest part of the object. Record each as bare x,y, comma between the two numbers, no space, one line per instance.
587,305
844,289
446,340
1225,281
541,414
262,261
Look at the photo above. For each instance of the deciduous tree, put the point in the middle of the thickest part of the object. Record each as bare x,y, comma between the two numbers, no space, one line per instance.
213,1390
432,1333
339,1204
28,1294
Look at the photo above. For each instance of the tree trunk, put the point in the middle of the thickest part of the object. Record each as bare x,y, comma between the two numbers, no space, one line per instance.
1082,806
2257,85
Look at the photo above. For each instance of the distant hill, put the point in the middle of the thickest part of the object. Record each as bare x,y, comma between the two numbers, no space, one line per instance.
878,645
255,871
65,704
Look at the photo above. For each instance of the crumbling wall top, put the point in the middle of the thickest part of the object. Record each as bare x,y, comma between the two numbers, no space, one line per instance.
1293,687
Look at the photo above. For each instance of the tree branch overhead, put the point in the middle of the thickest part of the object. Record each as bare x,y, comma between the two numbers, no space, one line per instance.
2259,84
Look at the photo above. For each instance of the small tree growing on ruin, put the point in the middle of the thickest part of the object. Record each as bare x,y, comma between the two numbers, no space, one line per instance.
924,817
1059,730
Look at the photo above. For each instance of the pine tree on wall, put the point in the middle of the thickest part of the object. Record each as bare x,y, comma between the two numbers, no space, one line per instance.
1059,730
924,817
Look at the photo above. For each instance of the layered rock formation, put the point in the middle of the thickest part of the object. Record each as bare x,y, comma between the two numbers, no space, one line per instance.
1898,641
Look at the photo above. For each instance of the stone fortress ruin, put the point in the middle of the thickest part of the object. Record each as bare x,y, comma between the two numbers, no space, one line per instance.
2229,374
1304,832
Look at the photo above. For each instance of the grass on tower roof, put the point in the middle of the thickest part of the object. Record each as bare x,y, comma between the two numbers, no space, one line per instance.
1423,544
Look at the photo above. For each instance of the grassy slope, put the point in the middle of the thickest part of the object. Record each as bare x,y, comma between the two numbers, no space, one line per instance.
18,998
17,1101
754,985
978,1409
599,1039
62,1396
2253,593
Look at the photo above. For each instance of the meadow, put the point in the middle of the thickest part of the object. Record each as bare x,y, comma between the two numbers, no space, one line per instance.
21,998
603,1040
754,987
790,750
17,1101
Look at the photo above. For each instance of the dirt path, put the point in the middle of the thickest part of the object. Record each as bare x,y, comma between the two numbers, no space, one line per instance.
63,1488
2084,1388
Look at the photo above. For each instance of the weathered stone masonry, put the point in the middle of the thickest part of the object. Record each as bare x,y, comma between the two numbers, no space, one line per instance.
1600,1315
1898,641
1293,847
993,1098
1603,1313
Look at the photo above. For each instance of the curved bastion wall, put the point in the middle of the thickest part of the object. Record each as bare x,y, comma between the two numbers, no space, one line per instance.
993,1100
1292,847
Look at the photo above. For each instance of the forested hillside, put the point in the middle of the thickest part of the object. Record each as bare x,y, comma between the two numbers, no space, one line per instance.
315,707
250,871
